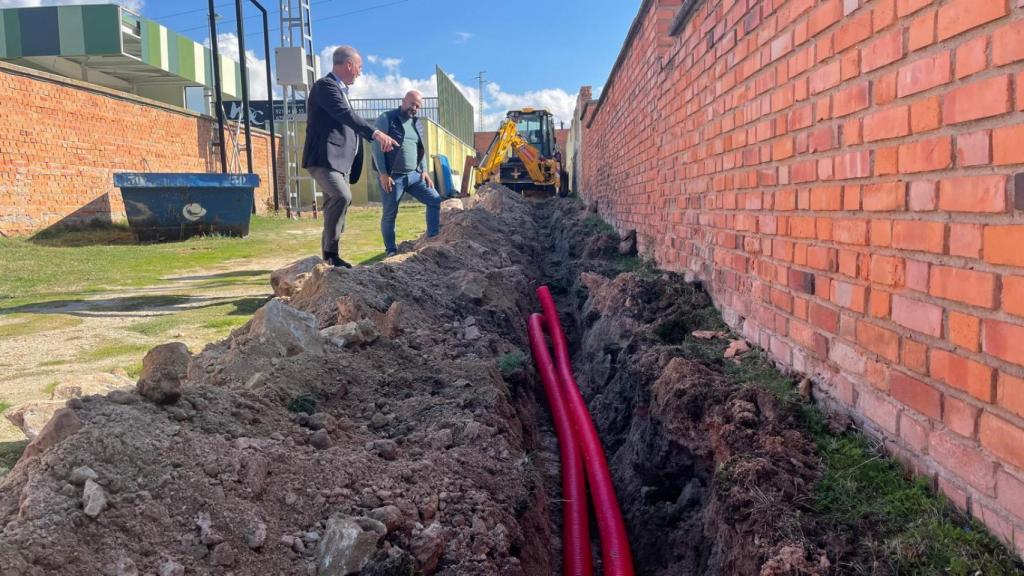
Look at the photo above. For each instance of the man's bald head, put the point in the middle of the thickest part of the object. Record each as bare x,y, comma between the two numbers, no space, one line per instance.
412,103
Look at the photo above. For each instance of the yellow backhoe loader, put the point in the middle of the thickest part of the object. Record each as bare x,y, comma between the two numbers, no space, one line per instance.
524,154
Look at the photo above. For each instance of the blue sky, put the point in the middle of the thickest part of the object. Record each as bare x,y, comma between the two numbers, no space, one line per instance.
535,52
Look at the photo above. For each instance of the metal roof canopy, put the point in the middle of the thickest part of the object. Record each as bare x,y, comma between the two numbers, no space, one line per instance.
74,40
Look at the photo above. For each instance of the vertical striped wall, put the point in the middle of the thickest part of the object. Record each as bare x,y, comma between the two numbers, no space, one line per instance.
454,111
59,30
95,30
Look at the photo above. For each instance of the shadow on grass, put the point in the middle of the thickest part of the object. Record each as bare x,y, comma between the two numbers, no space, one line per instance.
123,306
99,233
247,306
219,276
96,233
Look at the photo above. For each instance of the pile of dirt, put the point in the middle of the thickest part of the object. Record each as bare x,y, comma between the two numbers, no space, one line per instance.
364,424
384,420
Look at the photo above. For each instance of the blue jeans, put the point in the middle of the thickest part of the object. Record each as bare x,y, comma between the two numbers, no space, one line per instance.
413,184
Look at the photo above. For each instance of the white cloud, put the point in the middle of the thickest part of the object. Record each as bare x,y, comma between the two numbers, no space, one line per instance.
462,37
555,100
133,5
372,59
227,43
391,84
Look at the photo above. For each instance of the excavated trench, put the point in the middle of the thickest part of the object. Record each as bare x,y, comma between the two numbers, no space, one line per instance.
711,477
385,420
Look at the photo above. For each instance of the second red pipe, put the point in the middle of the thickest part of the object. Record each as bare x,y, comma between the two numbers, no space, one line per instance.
576,559
618,559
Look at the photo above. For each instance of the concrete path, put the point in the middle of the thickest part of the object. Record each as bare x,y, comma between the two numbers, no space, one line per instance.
43,344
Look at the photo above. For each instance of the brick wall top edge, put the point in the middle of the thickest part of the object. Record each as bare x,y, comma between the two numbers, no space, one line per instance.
39,75
627,44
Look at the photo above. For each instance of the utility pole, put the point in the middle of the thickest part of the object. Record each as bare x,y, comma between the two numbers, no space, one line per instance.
480,103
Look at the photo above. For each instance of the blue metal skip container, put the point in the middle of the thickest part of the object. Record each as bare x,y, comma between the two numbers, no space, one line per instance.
174,206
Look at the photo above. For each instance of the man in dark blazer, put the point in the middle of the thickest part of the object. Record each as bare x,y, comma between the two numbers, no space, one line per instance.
333,154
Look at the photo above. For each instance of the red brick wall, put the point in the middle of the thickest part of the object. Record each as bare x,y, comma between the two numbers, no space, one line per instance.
841,174
61,141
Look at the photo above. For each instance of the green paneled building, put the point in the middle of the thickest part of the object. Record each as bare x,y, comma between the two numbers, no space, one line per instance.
113,47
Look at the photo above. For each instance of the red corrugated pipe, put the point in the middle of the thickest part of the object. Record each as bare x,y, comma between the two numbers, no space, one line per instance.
576,560
618,559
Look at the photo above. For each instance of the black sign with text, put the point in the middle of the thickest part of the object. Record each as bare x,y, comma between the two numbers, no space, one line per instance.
258,111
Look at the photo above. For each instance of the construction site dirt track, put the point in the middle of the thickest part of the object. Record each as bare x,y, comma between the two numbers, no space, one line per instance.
385,419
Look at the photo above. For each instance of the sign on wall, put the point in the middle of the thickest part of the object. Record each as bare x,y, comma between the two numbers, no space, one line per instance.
259,109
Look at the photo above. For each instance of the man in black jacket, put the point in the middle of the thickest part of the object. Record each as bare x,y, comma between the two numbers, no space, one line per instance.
333,154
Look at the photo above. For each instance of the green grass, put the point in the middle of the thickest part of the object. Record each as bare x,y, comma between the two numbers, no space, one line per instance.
899,523
594,224
70,263
220,318
511,362
30,373
640,266
16,325
114,349
95,232
49,388
225,324
10,452
912,529
159,324
133,370
143,301
4,405
905,527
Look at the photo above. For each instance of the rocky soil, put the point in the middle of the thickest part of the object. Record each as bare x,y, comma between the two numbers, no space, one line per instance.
362,425
384,420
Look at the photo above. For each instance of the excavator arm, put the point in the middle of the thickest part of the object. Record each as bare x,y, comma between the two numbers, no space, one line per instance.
496,153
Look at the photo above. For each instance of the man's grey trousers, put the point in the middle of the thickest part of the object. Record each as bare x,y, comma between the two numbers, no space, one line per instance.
337,198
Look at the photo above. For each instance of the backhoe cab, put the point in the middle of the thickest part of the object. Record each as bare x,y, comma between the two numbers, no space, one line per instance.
524,154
